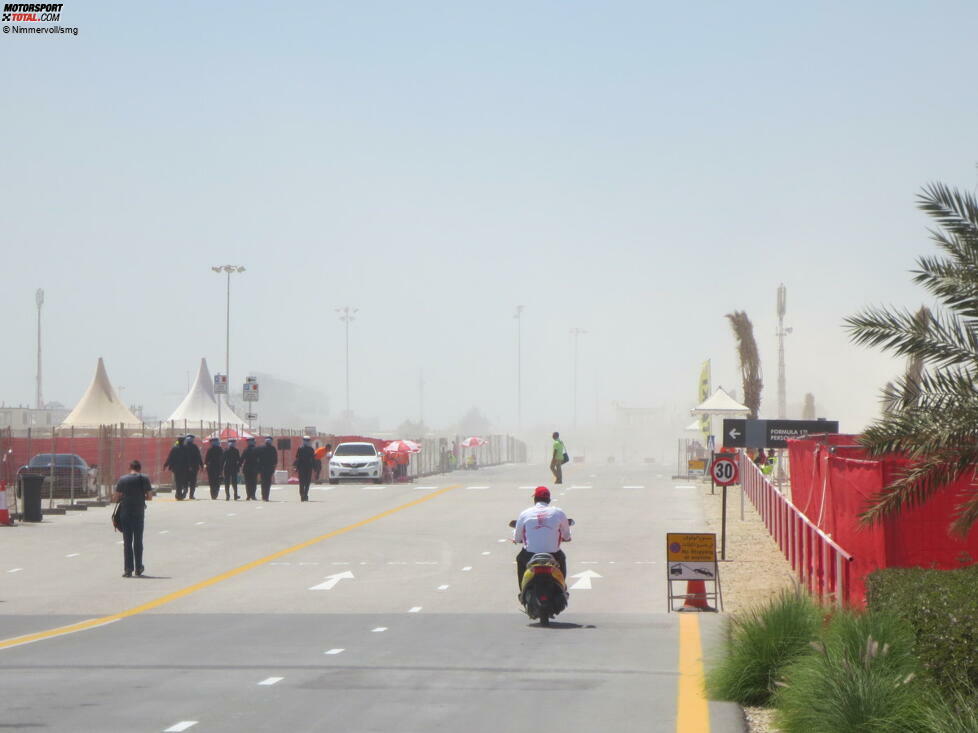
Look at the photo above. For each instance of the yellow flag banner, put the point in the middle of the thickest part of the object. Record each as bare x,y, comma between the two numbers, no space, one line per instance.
704,392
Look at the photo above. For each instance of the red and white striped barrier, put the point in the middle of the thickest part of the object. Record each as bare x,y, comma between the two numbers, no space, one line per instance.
4,512
821,565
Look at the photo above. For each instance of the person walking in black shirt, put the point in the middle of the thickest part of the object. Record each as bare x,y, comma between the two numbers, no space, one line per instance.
214,463
305,459
131,493
176,462
232,459
268,462
193,462
250,461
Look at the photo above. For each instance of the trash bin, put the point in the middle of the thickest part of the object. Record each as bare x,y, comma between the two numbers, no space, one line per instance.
31,484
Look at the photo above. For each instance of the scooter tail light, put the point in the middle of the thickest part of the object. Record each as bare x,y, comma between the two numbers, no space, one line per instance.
543,570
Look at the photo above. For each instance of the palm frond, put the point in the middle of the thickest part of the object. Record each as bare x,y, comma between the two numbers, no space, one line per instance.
750,360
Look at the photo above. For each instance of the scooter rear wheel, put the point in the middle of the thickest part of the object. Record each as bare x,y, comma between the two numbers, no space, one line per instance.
544,619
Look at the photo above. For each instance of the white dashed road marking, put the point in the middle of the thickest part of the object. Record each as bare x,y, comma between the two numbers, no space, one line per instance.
334,651
633,487
486,553
476,488
199,523
181,726
164,531
73,554
425,488
15,570
373,488
268,681
684,486
466,569
414,609
379,629
442,587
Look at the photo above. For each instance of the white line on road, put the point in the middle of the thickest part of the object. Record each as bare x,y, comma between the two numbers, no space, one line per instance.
466,569
425,488
684,486
588,562
374,488
526,488
232,514
426,562
181,726
338,562
575,486
15,570
269,681
633,487
645,562
414,609
200,523
334,651
259,507
442,587
279,563
379,630
164,531
476,488
73,554
486,553
396,562
332,580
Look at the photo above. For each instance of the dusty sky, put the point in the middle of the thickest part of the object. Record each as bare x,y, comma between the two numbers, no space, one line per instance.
633,169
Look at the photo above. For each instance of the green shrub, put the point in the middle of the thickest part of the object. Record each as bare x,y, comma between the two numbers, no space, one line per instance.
955,711
941,607
862,677
760,644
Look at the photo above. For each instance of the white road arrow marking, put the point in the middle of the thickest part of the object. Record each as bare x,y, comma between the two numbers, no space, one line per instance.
585,580
181,726
332,580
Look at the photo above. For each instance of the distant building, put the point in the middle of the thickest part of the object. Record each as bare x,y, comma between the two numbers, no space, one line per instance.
21,417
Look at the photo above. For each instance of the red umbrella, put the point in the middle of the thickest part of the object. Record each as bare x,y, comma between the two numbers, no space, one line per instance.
474,442
402,446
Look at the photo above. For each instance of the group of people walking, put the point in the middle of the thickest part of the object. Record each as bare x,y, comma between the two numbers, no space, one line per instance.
256,463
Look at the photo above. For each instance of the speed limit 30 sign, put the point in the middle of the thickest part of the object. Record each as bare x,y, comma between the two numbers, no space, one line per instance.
725,470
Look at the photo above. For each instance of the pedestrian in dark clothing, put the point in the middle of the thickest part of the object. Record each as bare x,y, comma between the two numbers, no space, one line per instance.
232,459
177,463
305,460
214,463
131,493
250,463
194,463
269,461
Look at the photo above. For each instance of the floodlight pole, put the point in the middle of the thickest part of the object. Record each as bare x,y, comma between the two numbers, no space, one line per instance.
347,314
229,269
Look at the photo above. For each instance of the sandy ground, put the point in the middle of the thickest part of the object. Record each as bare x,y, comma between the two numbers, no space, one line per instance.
754,572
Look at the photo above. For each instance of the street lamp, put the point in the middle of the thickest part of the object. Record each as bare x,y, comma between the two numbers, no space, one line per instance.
347,314
229,269
39,299
576,333
519,365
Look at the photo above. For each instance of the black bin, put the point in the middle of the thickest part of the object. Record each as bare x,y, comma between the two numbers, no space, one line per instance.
31,484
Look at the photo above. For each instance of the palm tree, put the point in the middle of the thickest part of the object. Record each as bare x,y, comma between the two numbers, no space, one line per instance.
808,409
931,413
750,361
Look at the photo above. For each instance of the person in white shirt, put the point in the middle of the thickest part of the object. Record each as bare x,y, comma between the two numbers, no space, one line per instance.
541,528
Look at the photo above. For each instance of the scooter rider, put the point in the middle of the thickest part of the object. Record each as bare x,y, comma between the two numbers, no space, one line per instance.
541,528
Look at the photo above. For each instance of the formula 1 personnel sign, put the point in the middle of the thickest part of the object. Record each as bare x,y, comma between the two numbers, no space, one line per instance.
725,470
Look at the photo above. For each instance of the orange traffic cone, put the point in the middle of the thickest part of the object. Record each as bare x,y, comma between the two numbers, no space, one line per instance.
696,597
4,514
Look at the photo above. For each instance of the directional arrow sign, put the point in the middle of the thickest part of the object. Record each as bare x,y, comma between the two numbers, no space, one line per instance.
332,580
585,580
733,433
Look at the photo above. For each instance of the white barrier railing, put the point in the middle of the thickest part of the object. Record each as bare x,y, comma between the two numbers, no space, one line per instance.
820,564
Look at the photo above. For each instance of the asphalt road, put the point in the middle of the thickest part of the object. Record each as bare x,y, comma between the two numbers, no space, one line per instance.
369,608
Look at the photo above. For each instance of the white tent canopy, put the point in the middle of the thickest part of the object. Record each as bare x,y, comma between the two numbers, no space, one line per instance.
721,404
100,405
200,404
695,427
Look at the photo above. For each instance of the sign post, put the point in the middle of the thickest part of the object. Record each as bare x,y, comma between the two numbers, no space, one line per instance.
249,393
724,471
693,557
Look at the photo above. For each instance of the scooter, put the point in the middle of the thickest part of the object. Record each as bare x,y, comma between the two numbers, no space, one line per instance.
543,589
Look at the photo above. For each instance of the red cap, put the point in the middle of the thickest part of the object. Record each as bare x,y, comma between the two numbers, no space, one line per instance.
541,492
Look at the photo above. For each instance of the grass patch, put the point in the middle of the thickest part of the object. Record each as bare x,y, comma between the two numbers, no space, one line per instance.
953,712
761,643
862,676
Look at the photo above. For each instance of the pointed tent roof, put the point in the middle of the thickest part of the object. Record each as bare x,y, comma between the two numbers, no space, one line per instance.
695,427
200,403
100,405
720,403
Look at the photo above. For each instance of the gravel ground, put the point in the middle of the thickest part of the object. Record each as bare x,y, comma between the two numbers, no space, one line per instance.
755,570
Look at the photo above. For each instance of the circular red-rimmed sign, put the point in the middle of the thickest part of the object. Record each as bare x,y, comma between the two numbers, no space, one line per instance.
725,470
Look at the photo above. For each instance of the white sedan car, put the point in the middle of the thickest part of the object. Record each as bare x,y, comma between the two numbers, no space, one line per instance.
356,461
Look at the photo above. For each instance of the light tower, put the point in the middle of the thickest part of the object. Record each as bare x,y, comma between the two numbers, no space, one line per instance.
229,269
347,314
782,332
39,299
576,333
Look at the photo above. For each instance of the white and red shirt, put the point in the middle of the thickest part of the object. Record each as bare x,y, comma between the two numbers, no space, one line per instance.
542,528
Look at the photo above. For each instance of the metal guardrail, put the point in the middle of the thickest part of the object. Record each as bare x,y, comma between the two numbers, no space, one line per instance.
820,563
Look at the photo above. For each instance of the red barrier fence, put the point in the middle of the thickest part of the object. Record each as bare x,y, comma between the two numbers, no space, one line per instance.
821,564
833,481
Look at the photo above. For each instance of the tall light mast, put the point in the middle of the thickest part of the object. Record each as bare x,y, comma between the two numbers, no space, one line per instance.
39,299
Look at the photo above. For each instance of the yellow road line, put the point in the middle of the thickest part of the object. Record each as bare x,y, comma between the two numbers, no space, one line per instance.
183,592
692,711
